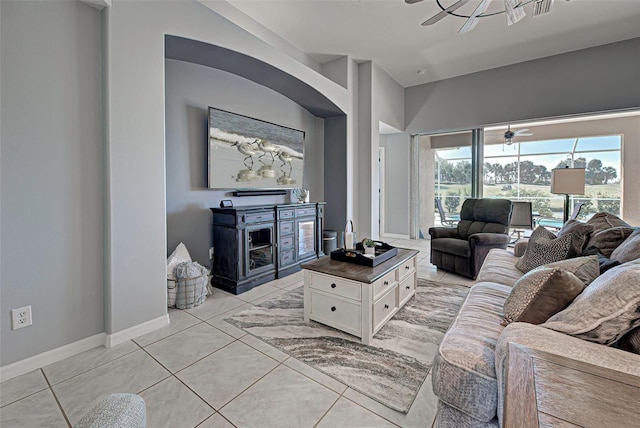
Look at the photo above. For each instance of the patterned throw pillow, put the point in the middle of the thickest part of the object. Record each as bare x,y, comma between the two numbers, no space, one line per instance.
541,293
580,233
543,248
606,310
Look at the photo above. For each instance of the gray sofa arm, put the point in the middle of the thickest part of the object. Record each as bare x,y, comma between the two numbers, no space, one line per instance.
569,349
443,232
499,240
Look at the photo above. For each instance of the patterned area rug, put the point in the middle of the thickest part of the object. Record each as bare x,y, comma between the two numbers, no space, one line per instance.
396,364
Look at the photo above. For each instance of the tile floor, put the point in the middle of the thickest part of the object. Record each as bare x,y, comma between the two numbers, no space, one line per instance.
201,371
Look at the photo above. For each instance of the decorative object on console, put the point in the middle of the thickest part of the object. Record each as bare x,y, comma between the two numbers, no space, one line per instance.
301,194
544,247
369,246
382,253
253,154
567,181
349,237
226,203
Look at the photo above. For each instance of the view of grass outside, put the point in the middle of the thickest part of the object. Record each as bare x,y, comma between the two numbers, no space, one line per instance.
522,171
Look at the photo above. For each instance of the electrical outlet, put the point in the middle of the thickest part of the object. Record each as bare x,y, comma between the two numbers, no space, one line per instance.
211,253
21,317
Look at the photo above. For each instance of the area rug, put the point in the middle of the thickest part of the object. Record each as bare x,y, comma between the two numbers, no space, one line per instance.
390,370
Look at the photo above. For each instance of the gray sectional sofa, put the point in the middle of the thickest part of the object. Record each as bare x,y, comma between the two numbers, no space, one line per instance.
470,367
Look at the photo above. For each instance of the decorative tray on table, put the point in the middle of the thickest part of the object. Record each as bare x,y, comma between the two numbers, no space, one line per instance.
383,253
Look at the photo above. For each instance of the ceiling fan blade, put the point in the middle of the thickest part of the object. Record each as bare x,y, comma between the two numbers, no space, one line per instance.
471,23
526,134
438,16
522,130
412,1
514,13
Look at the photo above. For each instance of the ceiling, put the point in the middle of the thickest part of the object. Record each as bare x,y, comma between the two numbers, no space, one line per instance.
389,33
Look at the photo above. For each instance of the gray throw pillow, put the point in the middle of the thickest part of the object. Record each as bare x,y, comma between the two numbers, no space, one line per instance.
604,220
629,249
586,268
607,240
606,310
543,247
580,233
541,293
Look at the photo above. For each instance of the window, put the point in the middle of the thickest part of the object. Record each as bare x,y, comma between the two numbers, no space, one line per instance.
522,171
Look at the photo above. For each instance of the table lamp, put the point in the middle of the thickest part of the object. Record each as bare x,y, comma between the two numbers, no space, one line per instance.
567,181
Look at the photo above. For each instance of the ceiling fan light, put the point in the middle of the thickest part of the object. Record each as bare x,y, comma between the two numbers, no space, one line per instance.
540,7
508,141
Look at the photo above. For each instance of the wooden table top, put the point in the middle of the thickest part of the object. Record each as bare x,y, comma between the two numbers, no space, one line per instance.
357,272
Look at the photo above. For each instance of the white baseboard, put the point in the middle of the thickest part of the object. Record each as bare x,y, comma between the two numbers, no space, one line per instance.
49,357
58,354
135,331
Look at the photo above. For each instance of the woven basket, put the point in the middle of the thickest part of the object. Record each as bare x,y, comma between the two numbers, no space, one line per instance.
190,292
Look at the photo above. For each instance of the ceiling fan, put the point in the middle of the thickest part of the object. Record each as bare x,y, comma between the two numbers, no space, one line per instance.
513,8
509,136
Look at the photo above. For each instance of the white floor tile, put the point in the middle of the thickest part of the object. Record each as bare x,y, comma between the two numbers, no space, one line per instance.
219,303
179,320
171,404
38,410
86,361
283,398
226,373
22,386
216,421
264,347
185,348
316,375
347,413
132,373
257,293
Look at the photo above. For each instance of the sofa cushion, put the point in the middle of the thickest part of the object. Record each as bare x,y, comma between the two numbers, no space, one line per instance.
543,248
586,268
629,249
484,216
580,234
541,293
457,247
464,375
606,310
500,267
607,240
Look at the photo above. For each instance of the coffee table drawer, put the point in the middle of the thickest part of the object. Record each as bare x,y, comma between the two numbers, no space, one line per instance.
334,285
380,286
383,309
405,288
338,313
406,268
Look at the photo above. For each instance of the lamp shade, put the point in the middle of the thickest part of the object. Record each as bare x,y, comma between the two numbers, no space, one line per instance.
568,181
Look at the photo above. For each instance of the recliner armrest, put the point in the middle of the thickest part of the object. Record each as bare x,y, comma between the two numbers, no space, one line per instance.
489,239
443,232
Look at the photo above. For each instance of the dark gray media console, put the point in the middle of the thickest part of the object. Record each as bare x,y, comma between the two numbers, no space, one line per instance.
258,243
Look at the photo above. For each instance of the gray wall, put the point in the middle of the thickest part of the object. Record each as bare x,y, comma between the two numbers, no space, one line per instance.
52,175
590,80
190,89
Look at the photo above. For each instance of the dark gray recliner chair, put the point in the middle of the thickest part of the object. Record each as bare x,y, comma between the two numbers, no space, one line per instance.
483,225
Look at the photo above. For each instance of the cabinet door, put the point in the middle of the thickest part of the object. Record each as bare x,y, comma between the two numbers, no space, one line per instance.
259,254
306,238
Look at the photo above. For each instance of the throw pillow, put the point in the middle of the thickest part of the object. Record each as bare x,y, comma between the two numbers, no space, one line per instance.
604,220
606,310
631,341
607,240
580,233
629,249
543,248
541,293
585,268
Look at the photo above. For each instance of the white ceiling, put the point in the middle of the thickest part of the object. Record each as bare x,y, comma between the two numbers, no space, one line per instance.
389,33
